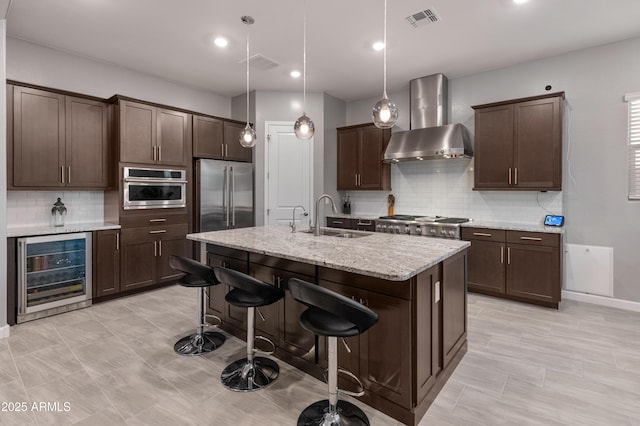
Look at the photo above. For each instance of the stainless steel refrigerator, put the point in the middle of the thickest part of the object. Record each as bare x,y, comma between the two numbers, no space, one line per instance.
225,195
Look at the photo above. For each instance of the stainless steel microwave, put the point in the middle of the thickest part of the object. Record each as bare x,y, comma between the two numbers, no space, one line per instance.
146,188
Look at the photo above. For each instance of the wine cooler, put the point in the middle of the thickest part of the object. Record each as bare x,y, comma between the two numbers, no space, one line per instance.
54,274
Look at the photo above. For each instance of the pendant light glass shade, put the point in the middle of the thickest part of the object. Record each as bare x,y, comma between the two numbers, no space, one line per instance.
304,127
248,135
385,112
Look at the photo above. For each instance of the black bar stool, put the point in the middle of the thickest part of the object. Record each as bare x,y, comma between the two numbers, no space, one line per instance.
333,315
250,373
200,276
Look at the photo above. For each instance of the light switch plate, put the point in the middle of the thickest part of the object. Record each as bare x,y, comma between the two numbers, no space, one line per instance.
437,295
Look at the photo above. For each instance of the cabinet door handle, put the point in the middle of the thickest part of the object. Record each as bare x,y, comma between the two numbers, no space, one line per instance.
62,174
516,176
481,234
155,249
509,175
359,179
356,179
69,170
222,150
118,241
501,254
508,255
160,248
337,222
364,223
226,150
531,238
153,153
159,231
159,153
157,220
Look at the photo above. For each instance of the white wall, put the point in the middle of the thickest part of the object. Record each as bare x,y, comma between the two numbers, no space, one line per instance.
4,328
35,64
596,207
281,106
334,116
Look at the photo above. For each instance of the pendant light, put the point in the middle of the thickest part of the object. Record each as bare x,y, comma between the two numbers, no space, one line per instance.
248,135
385,112
304,127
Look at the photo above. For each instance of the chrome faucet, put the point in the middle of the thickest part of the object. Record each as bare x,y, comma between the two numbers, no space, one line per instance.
292,224
316,227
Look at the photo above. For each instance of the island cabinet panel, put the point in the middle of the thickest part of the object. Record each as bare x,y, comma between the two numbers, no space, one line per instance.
238,261
454,305
427,330
291,336
517,265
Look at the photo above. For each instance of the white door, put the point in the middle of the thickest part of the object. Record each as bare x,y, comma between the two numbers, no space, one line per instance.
289,163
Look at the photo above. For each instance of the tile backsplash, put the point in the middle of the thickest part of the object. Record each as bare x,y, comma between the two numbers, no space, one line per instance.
445,187
33,208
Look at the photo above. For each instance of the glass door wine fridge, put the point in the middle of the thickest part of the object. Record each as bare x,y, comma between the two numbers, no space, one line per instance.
54,274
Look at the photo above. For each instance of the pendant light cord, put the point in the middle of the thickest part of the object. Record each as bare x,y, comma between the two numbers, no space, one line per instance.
304,59
384,54
248,74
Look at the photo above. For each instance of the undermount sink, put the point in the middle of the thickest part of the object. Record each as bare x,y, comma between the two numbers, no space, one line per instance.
340,233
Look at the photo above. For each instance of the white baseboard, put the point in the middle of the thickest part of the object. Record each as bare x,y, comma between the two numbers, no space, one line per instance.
4,332
601,300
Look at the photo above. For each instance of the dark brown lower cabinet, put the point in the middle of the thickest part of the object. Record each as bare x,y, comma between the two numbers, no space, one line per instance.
145,255
106,262
403,360
523,266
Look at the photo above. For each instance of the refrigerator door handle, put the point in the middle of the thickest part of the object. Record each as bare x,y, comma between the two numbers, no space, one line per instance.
231,196
225,192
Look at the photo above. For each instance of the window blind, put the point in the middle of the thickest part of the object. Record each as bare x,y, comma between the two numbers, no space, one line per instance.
633,137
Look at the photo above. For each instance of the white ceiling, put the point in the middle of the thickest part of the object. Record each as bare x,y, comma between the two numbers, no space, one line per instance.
172,38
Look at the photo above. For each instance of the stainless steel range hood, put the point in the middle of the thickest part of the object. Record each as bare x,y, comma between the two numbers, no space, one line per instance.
430,137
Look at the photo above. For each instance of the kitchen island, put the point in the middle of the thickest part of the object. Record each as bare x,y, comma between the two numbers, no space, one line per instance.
416,285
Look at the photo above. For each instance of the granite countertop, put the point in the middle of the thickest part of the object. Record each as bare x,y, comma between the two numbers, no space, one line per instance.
387,256
514,226
353,216
29,231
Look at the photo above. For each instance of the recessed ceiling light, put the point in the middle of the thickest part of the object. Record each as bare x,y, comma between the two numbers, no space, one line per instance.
520,1
221,42
378,45
295,74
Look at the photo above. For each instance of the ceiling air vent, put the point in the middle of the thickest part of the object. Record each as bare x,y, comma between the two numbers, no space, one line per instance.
424,17
261,62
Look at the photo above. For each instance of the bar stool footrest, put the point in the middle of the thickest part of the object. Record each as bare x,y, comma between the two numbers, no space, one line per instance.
217,318
317,414
264,339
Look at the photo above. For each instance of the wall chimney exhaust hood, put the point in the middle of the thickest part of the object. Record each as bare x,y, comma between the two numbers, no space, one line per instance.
430,137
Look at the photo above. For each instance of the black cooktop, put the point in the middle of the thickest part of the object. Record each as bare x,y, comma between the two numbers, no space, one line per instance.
438,219
400,217
452,220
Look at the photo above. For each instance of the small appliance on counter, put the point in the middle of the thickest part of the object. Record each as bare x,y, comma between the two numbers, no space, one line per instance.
58,211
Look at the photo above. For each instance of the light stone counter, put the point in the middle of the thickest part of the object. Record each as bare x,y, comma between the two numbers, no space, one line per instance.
514,226
29,231
381,255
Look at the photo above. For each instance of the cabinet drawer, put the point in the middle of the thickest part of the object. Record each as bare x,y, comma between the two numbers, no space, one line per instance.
153,233
227,252
159,219
484,234
364,225
533,238
401,289
340,222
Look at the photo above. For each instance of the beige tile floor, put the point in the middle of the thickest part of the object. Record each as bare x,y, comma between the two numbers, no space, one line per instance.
114,364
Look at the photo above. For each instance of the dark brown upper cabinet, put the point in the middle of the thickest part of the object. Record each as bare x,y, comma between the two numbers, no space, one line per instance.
518,144
152,135
58,141
360,152
218,139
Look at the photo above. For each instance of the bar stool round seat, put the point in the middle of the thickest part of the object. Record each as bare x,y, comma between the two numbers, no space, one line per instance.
198,276
332,315
252,372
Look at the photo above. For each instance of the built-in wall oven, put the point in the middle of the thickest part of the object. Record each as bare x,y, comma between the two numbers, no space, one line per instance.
146,188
